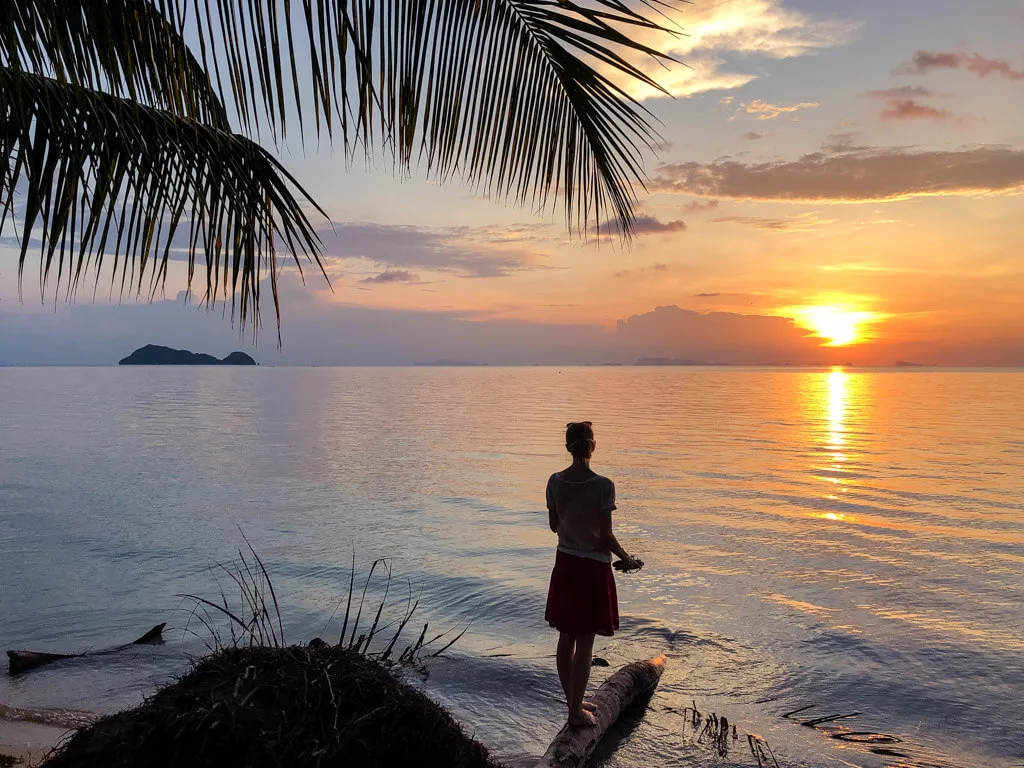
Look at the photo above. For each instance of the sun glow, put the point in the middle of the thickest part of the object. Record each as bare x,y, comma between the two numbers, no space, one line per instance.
839,326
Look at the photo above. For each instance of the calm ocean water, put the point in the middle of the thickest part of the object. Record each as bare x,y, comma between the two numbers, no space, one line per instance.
849,540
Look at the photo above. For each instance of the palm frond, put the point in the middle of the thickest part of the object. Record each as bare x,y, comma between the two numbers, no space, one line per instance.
128,48
517,96
105,178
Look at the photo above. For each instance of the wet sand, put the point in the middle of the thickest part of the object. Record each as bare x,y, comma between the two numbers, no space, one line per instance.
28,742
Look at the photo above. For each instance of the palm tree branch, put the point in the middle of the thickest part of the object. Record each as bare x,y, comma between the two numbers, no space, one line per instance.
130,48
524,98
98,177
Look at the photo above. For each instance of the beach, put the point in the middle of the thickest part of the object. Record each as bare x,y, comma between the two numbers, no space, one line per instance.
848,539
27,742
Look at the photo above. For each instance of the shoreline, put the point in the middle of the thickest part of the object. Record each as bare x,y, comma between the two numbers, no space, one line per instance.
28,743
28,735
22,755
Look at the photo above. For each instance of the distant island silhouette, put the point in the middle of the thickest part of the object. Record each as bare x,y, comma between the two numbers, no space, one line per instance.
152,354
449,363
673,361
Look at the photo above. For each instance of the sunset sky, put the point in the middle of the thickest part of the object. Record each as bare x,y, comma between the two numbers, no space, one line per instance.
850,169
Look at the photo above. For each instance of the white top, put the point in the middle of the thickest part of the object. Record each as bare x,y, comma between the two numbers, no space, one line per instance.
581,506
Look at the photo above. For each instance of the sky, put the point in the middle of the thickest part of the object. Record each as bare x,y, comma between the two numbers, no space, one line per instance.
837,183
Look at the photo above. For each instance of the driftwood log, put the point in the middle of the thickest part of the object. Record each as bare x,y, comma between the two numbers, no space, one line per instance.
23,661
574,744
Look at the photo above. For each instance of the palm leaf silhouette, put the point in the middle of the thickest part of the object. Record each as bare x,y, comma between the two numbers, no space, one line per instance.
117,147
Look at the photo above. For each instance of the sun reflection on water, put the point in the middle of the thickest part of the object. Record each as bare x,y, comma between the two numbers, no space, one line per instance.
836,404
837,394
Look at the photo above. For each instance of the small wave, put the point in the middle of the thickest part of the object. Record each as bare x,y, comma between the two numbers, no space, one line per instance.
56,718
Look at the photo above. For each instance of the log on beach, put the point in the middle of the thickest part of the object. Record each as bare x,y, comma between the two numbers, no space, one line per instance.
23,661
575,744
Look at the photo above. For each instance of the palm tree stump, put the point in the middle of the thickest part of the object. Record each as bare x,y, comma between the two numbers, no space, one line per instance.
574,744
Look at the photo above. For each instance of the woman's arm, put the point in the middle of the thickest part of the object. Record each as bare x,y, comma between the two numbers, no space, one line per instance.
549,493
608,540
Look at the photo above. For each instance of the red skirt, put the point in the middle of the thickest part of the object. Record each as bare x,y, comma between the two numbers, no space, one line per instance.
582,598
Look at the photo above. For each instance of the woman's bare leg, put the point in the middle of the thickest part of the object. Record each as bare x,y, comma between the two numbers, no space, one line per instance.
566,646
579,675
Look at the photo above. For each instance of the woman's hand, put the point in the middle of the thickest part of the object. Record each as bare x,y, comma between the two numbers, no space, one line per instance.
629,563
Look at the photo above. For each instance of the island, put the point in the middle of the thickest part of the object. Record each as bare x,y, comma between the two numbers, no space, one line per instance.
450,364
151,354
674,361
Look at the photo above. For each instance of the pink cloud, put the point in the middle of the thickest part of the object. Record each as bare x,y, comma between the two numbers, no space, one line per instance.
904,92
979,65
909,109
869,174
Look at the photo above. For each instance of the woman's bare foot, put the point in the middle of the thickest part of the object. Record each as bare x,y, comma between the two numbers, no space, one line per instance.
583,718
589,706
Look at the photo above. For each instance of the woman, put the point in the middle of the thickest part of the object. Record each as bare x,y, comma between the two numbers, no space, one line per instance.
582,601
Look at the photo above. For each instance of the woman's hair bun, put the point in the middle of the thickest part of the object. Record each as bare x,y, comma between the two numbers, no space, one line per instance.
579,438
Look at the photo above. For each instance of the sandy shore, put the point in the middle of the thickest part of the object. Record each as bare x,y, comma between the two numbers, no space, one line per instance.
28,742
23,756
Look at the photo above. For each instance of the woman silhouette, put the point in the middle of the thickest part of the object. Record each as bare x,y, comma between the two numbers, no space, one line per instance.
582,601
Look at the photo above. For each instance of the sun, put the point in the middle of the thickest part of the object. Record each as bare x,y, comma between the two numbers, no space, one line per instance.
841,327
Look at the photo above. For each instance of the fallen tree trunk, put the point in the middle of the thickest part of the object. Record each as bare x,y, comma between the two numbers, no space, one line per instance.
574,744
23,661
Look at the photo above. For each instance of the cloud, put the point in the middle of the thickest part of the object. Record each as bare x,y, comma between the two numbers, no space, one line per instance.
903,92
839,143
803,222
392,276
975,63
461,252
762,110
700,206
706,295
761,27
871,174
700,75
909,109
903,104
656,267
755,135
717,31
648,225
717,337
754,221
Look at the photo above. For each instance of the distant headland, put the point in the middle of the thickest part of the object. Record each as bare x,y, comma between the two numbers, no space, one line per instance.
151,354
450,363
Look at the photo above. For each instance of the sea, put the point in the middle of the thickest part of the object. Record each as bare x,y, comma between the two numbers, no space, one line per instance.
829,543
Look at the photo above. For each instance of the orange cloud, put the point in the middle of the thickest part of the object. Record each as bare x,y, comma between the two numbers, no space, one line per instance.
714,29
762,110
871,174
672,332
